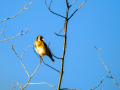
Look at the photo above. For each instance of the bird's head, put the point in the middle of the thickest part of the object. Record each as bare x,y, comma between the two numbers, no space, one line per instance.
39,38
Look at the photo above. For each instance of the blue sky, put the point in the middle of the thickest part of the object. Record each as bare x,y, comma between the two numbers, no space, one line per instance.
96,23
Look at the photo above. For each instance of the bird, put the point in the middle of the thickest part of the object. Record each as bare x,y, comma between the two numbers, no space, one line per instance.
42,48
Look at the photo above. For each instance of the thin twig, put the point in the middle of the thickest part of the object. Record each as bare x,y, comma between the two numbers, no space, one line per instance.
51,52
59,31
13,87
8,41
20,11
82,4
32,75
25,51
2,30
106,67
18,85
55,56
77,9
44,62
48,44
51,10
19,5
72,3
36,69
59,35
50,4
43,83
18,56
20,34
97,85
22,62
51,67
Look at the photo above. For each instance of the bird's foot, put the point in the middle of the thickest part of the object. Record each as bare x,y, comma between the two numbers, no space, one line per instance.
40,56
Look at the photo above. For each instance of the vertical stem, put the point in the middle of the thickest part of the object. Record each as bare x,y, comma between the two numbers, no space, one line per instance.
64,47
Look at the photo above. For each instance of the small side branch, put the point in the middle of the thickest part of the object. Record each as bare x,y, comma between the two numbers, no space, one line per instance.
20,34
97,85
2,30
59,31
51,52
51,10
44,62
32,75
20,11
36,69
106,67
43,83
18,56
72,3
59,35
55,56
19,85
51,67
13,87
77,9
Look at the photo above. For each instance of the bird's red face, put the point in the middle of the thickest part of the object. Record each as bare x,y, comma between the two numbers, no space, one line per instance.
39,38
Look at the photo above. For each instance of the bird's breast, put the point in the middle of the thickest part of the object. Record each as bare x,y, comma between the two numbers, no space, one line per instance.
40,51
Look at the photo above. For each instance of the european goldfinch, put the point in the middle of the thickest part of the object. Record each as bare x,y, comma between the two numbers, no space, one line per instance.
41,47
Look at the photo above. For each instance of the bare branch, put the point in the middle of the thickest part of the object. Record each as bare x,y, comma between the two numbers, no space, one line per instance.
67,3
21,33
19,5
77,9
32,74
51,67
106,67
18,85
36,69
43,83
2,30
59,31
25,51
18,56
59,35
50,4
51,52
48,44
51,10
25,2
72,3
97,85
44,62
22,62
20,11
13,87
55,56
64,47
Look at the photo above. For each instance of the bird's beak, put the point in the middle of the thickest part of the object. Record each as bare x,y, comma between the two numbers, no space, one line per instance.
43,39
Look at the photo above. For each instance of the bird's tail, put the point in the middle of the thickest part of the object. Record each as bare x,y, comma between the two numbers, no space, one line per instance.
52,59
50,55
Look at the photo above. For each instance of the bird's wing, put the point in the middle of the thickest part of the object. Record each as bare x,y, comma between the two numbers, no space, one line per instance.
48,52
